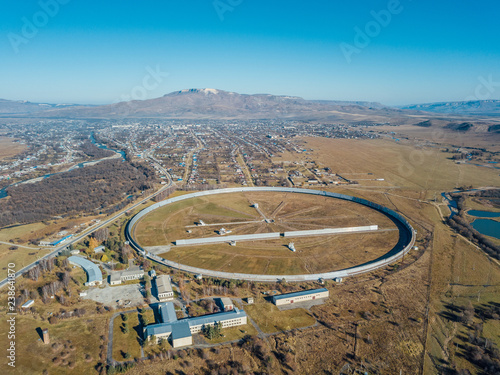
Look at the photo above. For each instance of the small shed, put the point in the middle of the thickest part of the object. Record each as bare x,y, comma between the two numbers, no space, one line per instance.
99,249
27,304
226,304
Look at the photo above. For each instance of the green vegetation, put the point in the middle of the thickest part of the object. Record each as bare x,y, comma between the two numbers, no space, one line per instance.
129,341
234,333
212,331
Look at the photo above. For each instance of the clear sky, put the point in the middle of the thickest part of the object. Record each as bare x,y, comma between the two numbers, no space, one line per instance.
103,51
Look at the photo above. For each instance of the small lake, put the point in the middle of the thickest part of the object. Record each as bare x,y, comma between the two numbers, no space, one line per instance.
487,227
477,213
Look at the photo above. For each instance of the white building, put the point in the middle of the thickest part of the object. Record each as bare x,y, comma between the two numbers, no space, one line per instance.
164,288
180,332
27,304
302,296
93,271
99,249
118,277
226,304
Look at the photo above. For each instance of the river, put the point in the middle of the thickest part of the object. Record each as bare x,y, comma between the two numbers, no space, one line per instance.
3,192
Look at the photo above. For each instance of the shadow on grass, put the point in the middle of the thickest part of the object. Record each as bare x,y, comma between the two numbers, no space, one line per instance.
40,332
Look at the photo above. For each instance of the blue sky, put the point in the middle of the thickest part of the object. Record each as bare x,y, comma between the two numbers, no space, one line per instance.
99,51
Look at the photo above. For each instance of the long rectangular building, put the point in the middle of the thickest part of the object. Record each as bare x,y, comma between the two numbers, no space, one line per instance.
274,235
117,278
302,296
220,239
319,232
177,330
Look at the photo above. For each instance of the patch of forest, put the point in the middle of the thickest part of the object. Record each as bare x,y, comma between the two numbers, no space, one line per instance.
102,187
93,151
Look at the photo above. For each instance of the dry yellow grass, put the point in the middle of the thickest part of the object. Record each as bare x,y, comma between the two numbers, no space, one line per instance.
402,165
9,148
270,319
289,212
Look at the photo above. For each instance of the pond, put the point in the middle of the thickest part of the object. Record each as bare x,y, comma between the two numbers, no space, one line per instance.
487,227
477,213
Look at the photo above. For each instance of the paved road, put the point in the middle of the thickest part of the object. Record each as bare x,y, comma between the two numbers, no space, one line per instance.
24,247
91,229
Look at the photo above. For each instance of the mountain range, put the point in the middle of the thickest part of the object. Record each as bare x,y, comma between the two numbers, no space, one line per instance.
474,107
219,104
216,104
15,107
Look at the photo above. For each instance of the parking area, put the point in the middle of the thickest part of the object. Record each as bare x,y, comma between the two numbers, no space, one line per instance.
118,296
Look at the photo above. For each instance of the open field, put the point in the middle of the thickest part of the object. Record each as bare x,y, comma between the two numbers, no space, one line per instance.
270,319
313,255
20,257
289,212
233,333
9,148
406,166
448,137
74,338
129,342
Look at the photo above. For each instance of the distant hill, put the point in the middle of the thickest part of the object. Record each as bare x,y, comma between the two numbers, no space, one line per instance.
457,124
476,107
213,103
16,107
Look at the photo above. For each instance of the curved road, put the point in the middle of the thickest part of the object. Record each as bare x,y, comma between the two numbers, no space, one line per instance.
407,236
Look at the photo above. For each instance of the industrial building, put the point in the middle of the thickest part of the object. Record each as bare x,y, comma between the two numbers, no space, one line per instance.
27,304
243,237
180,332
99,249
226,304
319,232
164,290
119,277
273,235
92,270
302,296
55,242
